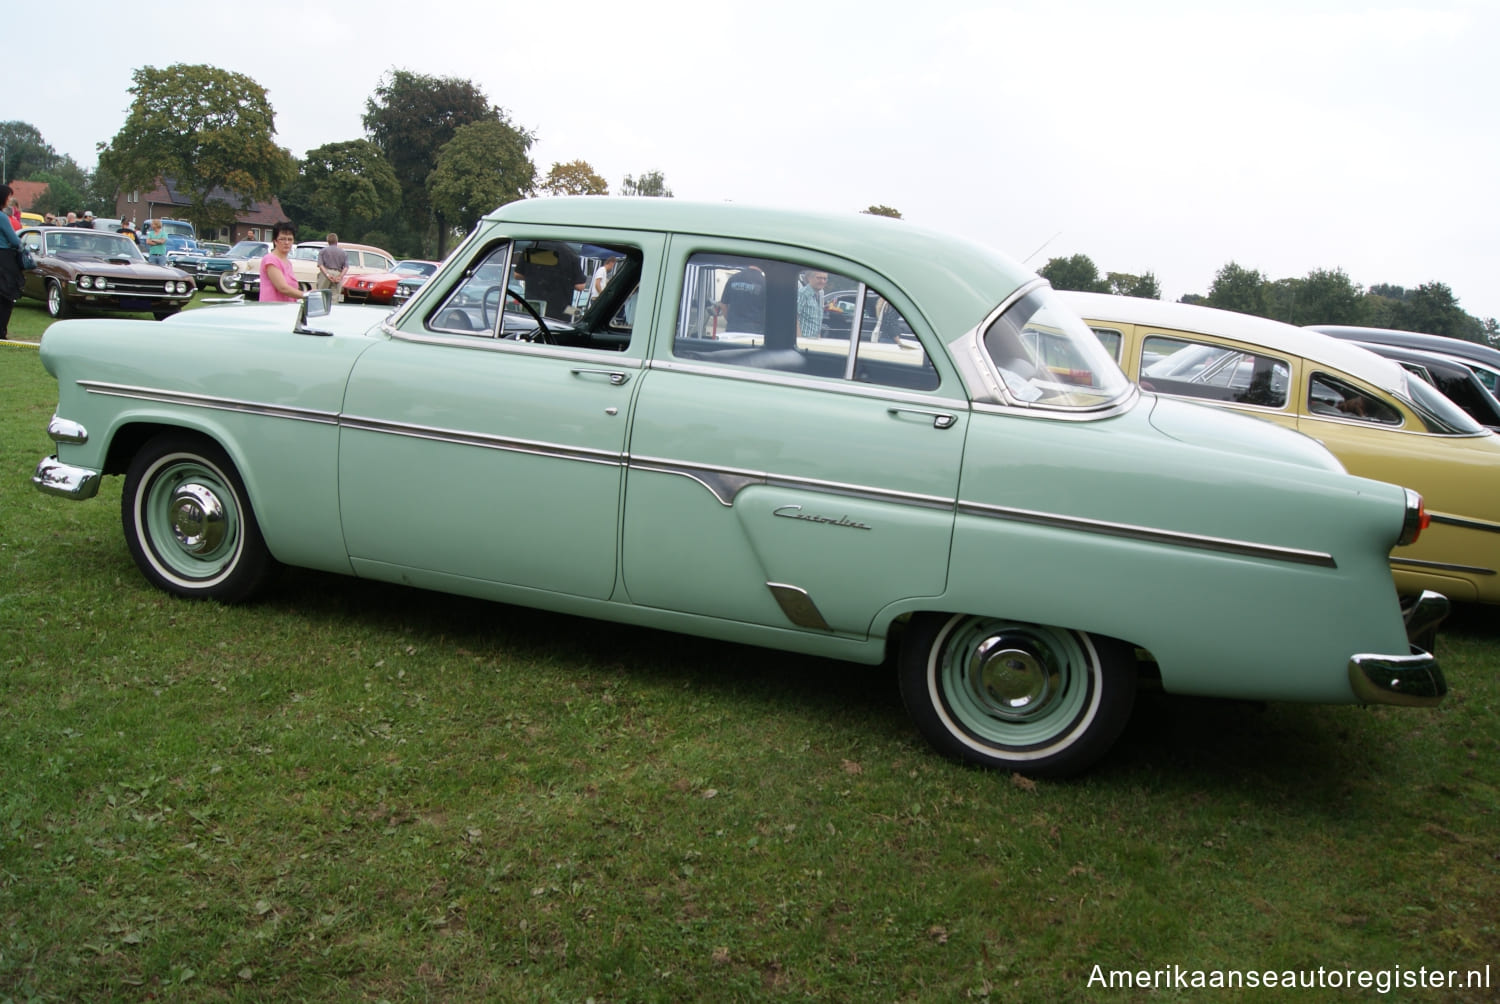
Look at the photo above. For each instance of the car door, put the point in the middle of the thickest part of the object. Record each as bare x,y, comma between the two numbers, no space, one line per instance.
495,459
782,474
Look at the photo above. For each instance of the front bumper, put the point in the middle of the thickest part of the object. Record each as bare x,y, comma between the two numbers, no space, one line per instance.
53,477
1413,680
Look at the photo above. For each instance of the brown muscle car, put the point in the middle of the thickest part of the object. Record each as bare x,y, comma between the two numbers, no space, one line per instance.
99,270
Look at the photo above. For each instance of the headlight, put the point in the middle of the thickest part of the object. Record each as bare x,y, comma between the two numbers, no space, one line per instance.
85,282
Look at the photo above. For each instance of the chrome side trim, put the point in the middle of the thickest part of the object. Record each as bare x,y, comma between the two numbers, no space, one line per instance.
61,430
482,440
726,483
1441,566
1414,680
54,477
209,401
1464,522
798,606
1171,537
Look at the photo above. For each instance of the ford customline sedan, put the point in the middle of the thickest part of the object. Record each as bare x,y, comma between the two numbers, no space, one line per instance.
1380,421
1020,539
101,271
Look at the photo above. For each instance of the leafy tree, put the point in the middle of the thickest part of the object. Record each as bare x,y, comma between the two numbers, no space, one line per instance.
62,196
208,129
1433,308
1076,272
1323,297
1125,284
343,187
652,183
410,118
1240,289
483,166
576,177
894,214
26,153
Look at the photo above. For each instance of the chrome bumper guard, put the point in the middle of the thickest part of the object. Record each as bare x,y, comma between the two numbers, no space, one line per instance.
1413,680
53,477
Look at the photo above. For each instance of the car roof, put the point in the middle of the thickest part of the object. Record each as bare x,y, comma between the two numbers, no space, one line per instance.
1410,354
1263,331
1415,339
956,283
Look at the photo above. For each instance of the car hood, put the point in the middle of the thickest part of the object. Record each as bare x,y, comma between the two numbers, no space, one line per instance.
1202,425
251,316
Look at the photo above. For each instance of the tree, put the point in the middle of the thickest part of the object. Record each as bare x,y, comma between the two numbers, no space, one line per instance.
1125,284
1433,308
576,177
483,166
1240,289
26,153
62,195
343,187
894,214
410,118
652,183
209,130
1325,297
1076,272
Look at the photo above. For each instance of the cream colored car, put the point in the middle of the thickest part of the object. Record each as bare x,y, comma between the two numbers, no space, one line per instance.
363,258
1377,421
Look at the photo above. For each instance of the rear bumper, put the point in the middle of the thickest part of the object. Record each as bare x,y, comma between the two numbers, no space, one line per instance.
1413,680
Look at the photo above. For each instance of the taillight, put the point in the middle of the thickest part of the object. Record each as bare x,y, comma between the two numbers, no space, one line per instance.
1416,519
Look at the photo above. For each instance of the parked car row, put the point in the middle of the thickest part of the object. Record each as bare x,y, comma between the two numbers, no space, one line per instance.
990,501
98,270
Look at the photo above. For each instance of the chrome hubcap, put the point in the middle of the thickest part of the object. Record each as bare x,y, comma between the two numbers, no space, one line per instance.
197,518
1012,679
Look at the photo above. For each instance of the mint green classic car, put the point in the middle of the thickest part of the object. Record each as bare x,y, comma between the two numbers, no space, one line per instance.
971,485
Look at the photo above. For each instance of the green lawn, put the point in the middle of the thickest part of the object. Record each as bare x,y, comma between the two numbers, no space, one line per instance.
353,791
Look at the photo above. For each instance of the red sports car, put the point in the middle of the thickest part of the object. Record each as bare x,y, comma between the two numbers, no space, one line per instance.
379,287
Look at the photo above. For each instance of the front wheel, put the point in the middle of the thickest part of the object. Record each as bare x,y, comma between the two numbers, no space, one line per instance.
57,303
188,521
229,283
1030,698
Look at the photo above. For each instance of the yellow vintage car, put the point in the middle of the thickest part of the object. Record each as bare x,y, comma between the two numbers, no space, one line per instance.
1378,422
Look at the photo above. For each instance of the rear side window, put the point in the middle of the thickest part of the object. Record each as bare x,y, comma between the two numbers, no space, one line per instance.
764,313
1331,397
1213,372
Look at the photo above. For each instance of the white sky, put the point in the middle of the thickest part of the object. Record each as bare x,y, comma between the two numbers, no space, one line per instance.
1161,136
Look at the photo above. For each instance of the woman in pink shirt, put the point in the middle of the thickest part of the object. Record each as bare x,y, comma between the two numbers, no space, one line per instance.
277,284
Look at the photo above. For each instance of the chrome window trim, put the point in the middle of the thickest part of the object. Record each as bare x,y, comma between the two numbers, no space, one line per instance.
856,388
1150,534
488,342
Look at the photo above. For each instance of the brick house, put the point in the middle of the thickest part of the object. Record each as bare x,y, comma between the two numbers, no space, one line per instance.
253,224
27,192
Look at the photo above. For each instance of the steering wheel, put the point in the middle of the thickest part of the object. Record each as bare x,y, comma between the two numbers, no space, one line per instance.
541,334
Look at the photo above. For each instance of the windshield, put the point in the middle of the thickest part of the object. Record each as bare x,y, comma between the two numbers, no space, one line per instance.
92,244
1048,358
248,249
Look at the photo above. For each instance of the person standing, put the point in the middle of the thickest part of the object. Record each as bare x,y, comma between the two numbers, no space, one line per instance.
277,283
333,262
13,210
810,305
10,265
156,242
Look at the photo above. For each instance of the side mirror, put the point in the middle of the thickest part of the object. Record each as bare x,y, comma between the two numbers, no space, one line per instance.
315,303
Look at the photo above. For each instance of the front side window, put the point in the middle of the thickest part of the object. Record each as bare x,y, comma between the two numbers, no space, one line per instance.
766,313
1213,372
548,292
1048,358
1332,397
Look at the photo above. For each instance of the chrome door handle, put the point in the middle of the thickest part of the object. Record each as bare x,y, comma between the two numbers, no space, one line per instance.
615,377
940,419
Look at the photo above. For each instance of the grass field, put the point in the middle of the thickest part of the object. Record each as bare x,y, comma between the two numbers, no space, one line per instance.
353,791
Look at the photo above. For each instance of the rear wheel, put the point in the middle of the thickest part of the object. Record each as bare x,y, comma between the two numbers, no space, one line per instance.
189,523
1030,698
